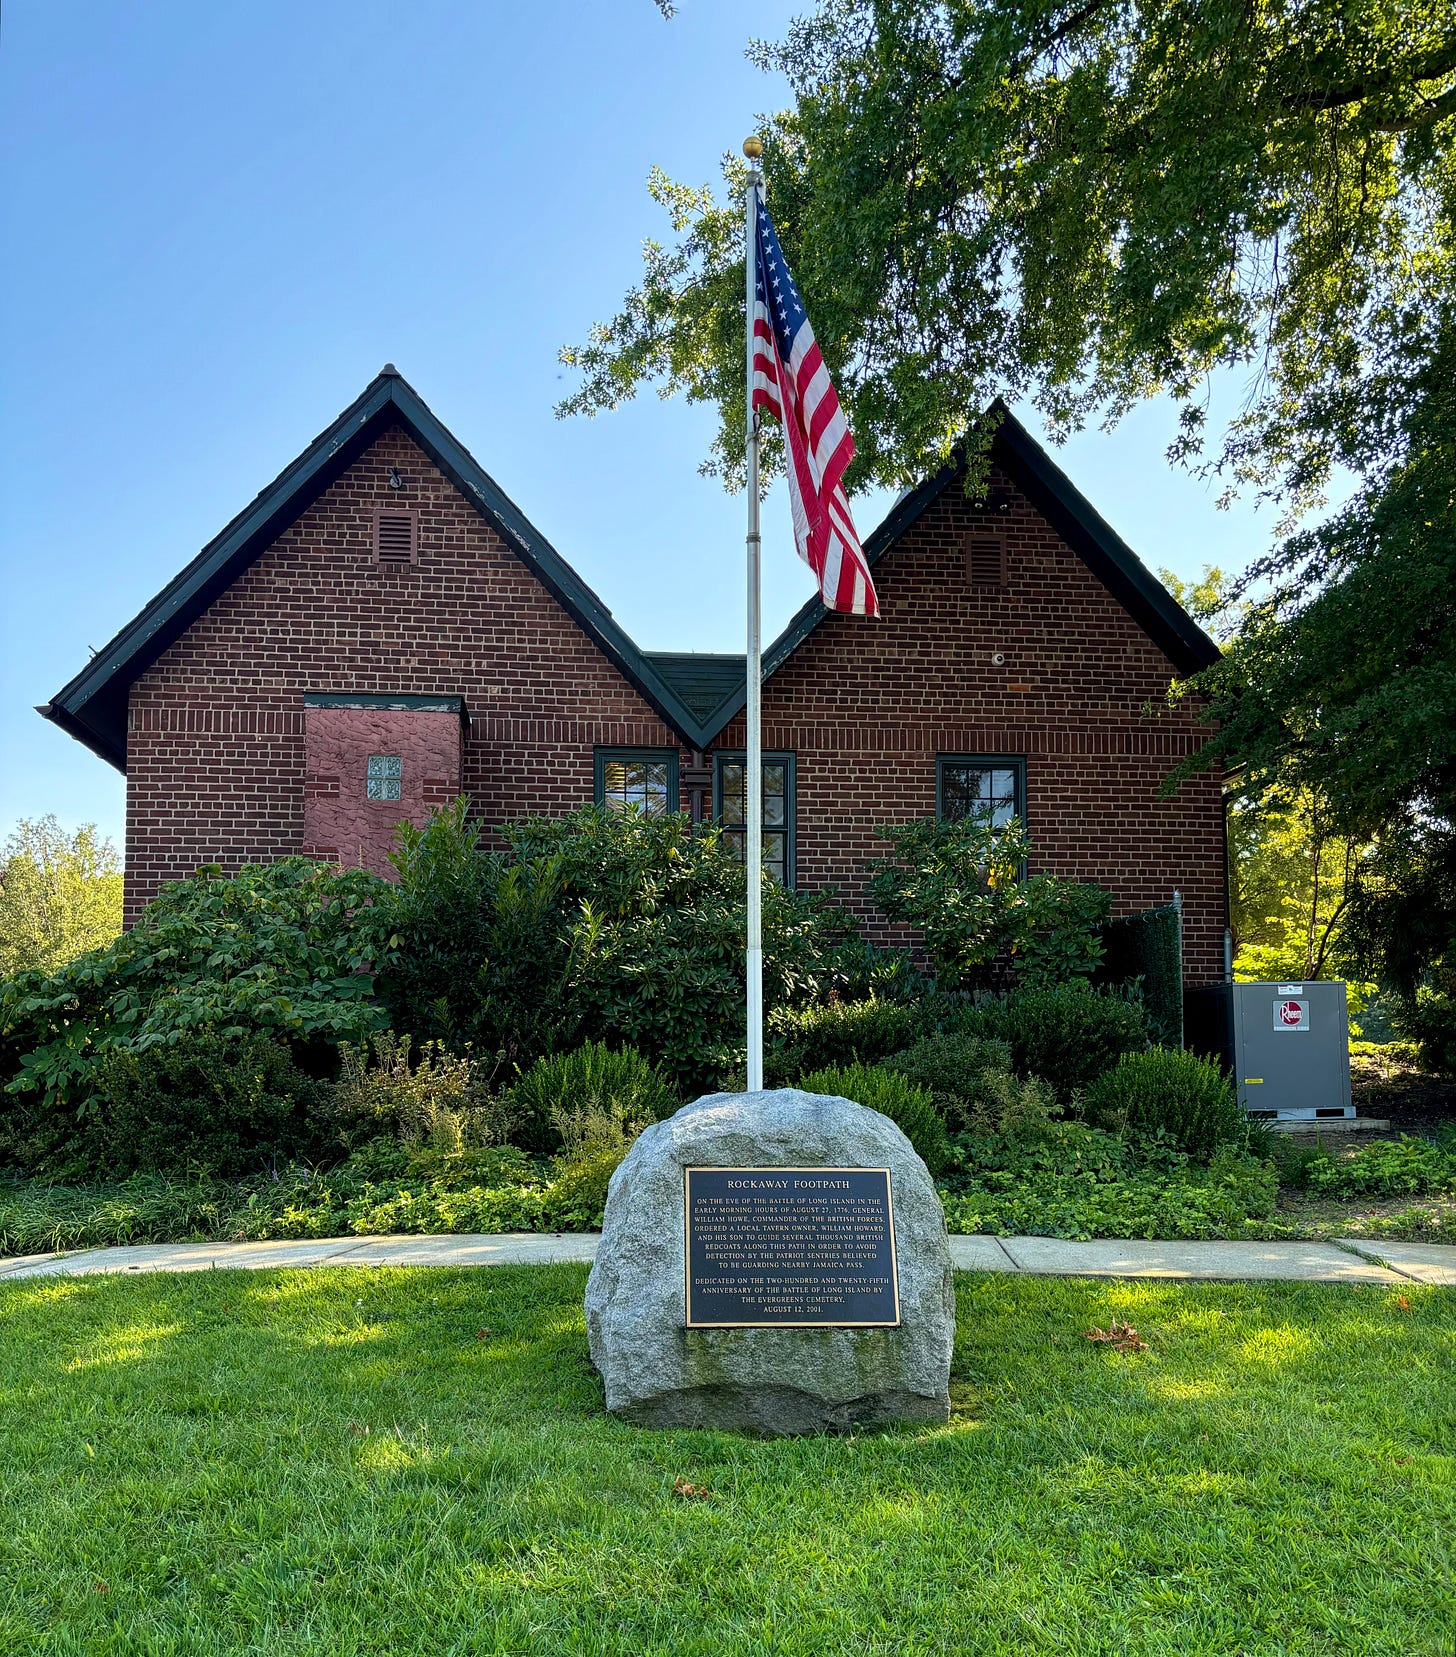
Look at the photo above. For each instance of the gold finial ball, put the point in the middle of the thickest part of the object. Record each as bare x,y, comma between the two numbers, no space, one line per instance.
753,148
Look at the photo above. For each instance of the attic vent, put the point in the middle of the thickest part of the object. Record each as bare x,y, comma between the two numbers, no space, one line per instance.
394,537
985,561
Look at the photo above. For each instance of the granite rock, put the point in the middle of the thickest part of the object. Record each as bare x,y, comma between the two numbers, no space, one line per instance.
768,1381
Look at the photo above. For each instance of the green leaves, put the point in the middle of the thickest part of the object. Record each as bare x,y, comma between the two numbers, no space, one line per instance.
287,947
1080,203
962,884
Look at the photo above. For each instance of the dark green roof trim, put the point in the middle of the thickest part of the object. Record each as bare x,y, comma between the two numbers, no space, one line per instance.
1068,510
93,706
399,703
702,680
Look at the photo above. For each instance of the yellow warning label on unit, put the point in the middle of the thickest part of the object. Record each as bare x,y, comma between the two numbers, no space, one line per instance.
1253,1081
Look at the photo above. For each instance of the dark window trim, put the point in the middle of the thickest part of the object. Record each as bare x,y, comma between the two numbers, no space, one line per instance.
1007,762
648,756
789,761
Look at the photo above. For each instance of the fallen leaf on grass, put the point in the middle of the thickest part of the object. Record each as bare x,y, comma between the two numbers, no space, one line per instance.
99,1588
357,1430
695,1492
1403,1303
1120,1335
482,1334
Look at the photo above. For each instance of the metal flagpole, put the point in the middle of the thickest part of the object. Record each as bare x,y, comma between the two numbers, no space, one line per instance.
753,780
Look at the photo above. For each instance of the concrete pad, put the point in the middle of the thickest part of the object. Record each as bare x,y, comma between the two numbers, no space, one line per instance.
1426,1262
19,1262
1328,1124
980,1254
190,1257
519,1248
1229,1261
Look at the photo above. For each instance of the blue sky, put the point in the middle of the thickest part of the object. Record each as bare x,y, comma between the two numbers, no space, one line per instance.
220,221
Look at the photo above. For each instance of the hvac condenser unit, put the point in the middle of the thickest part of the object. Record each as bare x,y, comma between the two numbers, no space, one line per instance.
1287,1046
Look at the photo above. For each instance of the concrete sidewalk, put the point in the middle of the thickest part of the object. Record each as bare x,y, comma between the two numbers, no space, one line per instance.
1346,1262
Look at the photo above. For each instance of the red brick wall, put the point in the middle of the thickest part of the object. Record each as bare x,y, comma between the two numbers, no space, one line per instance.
867,706
216,760
215,751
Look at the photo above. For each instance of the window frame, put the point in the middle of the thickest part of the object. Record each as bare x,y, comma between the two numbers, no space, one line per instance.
789,761
602,757
1015,763
397,778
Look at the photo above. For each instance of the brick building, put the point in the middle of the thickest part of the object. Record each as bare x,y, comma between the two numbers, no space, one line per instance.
382,628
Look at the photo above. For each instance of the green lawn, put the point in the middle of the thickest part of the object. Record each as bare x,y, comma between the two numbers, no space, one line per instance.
392,1462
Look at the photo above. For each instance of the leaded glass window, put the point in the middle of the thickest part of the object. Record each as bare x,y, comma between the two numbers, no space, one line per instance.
383,777
990,790
778,810
645,781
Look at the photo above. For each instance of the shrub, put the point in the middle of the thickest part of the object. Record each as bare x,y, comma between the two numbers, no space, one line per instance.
962,884
1187,1098
286,948
433,1102
561,1094
956,1070
837,1032
1388,1168
1147,949
1430,1020
909,1107
594,1143
600,926
1068,1036
222,1105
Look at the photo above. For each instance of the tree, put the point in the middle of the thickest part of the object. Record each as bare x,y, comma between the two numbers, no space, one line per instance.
60,895
1341,681
1291,883
1083,202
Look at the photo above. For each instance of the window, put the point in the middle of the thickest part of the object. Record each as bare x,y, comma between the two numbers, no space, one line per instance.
383,777
989,787
730,800
394,535
644,779
985,561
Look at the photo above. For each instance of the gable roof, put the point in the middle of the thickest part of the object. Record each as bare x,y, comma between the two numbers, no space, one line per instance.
696,694
1069,512
93,706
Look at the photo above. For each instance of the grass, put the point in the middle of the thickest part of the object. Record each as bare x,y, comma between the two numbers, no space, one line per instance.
393,1462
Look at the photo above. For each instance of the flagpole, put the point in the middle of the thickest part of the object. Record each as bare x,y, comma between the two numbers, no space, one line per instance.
753,780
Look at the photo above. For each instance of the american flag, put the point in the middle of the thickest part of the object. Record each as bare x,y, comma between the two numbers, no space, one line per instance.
791,383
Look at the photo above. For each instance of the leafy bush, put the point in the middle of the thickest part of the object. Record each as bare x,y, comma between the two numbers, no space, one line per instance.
223,1105
435,1101
909,1107
1068,1036
597,926
836,1032
1387,1168
956,1070
558,1098
286,948
1429,1019
1185,1097
1106,1194
961,883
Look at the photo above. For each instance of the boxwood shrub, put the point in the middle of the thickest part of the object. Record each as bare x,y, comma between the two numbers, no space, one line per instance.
1187,1097
909,1107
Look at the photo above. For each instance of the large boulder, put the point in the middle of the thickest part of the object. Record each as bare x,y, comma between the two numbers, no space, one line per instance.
659,1373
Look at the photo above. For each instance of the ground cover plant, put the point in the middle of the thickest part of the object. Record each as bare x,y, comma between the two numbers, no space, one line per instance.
351,1462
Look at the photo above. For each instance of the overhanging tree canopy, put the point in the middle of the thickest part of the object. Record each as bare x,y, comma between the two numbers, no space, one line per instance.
1083,202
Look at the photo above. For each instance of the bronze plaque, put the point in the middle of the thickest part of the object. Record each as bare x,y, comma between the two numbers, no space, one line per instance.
790,1248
